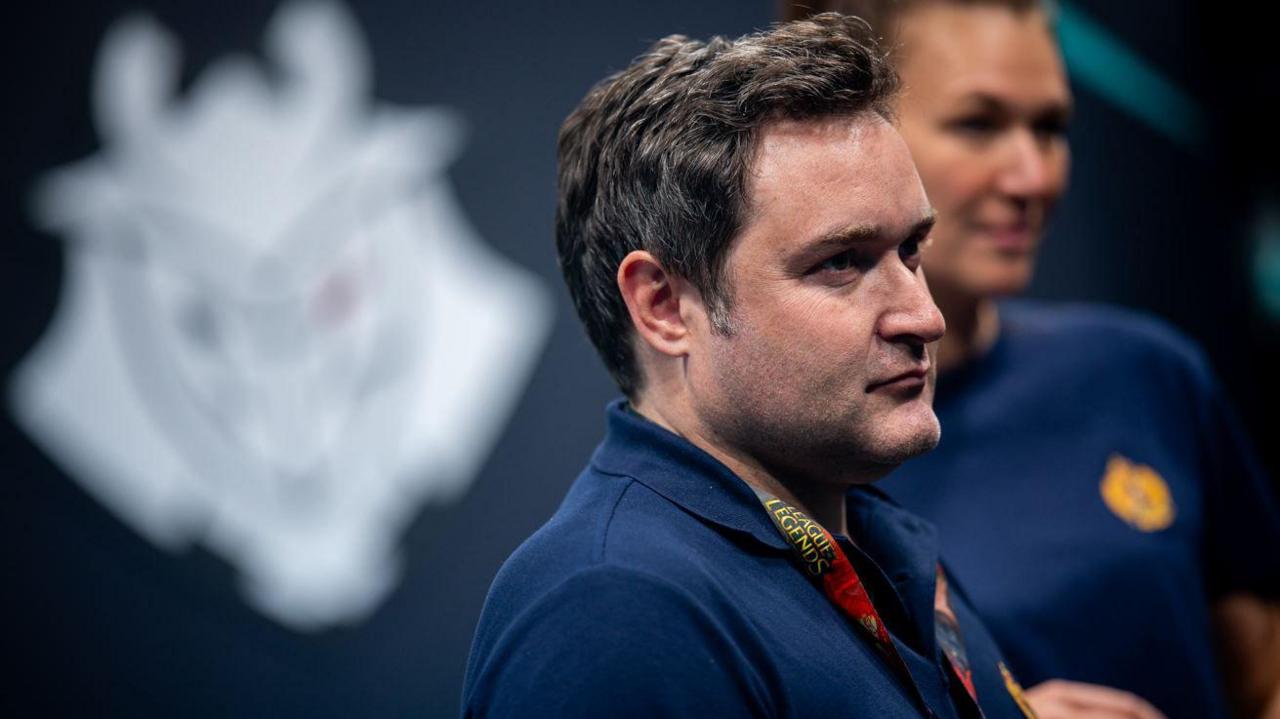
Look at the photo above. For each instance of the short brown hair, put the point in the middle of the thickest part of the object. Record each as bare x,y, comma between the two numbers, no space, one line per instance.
656,157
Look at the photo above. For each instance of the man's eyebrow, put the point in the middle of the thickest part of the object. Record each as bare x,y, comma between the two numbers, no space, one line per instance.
843,237
923,226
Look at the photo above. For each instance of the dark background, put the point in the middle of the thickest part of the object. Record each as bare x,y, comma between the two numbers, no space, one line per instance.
96,620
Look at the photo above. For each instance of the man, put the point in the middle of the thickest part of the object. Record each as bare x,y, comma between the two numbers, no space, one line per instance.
740,227
1091,487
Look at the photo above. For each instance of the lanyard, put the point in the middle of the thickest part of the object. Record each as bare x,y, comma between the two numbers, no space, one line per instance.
822,558
947,630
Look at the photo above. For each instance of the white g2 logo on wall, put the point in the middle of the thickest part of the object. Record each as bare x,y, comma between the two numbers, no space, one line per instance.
278,335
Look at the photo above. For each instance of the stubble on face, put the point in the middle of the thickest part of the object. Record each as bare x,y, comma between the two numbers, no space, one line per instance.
829,434
789,386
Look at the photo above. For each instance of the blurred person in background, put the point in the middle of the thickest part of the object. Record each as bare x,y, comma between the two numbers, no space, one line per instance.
1092,489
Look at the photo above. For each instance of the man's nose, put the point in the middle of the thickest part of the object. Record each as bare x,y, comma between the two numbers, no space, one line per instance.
1031,165
912,317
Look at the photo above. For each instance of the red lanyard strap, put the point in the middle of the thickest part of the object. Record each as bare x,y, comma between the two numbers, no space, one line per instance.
821,557
947,630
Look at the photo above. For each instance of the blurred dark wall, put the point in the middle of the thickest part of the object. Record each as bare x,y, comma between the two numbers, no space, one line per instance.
100,621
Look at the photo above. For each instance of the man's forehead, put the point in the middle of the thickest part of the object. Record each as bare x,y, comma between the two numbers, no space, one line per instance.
784,133
825,149
835,173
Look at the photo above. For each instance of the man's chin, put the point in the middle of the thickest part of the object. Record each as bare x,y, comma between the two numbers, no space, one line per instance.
886,457
926,442
909,439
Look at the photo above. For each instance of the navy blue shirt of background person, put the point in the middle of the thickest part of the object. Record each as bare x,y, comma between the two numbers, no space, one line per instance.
1095,494
661,588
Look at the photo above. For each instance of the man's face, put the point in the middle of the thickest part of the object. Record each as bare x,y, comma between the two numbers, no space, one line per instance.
984,111
824,368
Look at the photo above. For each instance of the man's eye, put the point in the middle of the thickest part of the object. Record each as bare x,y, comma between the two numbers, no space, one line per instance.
911,250
842,262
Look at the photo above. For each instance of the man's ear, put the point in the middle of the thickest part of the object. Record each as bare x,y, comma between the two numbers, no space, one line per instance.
653,297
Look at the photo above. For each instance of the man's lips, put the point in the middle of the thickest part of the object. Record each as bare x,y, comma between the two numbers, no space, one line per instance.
911,379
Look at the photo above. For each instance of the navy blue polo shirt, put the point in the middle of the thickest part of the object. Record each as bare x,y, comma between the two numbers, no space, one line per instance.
661,588
1094,491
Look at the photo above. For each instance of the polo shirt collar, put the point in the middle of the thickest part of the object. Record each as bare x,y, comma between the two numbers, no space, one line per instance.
885,529
906,549
699,483
682,473
904,546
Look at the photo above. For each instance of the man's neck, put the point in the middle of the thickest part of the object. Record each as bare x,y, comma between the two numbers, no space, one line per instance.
824,502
